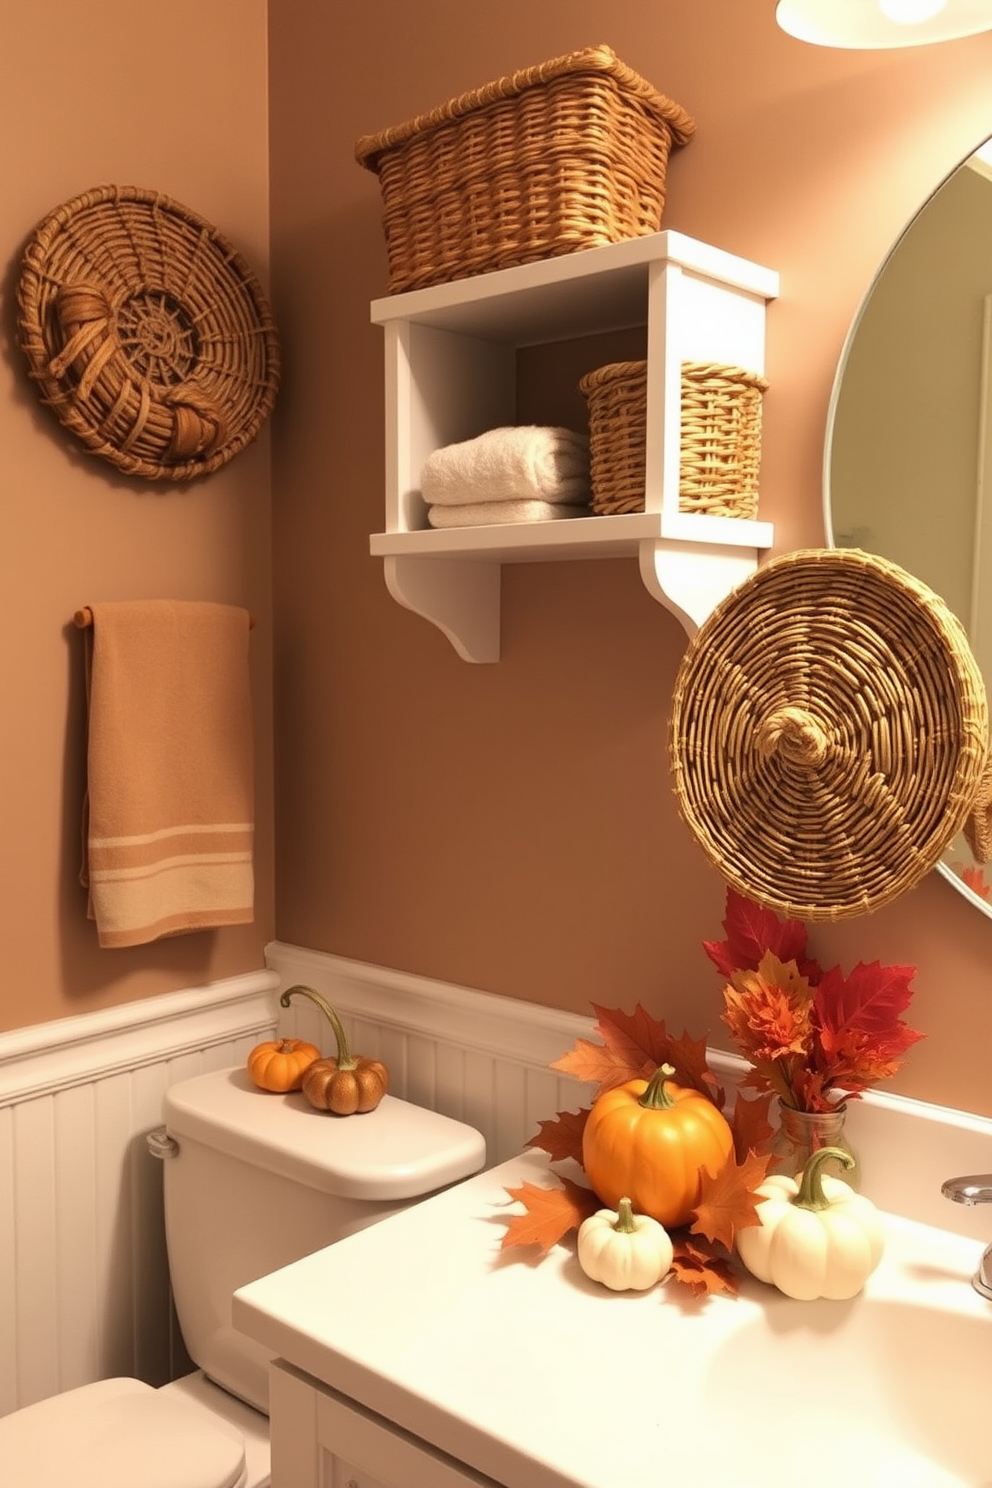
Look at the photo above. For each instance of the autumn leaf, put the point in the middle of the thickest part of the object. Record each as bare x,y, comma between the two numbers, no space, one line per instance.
562,1137
975,880
634,1045
702,1268
769,1011
549,1213
751,931
595,1064
688,1058
638,1042
861,1035
750,1124
727,1201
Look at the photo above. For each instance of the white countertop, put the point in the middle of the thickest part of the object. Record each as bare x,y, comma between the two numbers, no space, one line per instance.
532,1374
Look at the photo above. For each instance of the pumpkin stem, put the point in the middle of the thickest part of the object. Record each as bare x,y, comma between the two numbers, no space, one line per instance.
625,1218
345,1061
656,1096
811,1195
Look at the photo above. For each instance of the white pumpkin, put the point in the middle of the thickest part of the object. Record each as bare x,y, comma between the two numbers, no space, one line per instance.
817,1237
624,1251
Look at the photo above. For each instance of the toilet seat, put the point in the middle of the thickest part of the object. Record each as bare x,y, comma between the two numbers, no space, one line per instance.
119,1433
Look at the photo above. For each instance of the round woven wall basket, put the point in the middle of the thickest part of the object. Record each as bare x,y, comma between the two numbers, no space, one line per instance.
829,734
147,333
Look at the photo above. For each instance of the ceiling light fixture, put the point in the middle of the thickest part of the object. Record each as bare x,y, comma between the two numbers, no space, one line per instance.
872,24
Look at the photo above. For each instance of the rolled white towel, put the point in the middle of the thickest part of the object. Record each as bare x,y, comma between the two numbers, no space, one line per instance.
520,462
483,513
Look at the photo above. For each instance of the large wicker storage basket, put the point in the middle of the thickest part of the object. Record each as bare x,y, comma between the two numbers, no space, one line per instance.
720,446
570,154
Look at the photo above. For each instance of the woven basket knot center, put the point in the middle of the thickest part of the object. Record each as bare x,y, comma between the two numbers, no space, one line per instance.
794,735
157,337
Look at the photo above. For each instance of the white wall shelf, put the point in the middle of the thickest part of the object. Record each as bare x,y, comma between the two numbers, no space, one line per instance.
450,360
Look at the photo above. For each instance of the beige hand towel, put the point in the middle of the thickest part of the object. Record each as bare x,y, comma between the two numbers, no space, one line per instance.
169,819
525,462
484,513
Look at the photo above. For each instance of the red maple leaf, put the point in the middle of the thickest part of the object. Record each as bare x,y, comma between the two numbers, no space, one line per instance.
860,1034
751,931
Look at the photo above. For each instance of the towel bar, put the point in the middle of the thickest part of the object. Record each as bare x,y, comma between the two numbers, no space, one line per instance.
83,619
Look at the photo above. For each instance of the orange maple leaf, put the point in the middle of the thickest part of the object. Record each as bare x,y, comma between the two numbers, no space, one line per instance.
597,1065
750,1124
562,1137
702,1269
634,1045
727,1201
549,1213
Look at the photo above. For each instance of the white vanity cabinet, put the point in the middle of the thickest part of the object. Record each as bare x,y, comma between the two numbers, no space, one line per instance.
321,1440
450,372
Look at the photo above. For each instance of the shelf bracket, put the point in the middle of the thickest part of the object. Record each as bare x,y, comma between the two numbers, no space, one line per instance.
690,579
461,599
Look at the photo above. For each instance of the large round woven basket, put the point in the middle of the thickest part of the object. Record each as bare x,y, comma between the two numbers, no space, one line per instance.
147,333
829,734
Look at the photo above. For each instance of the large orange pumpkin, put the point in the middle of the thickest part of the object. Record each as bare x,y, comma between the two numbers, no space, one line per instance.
649,1141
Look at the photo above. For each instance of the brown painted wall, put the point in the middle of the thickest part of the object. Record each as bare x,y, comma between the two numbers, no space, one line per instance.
511,827
171,98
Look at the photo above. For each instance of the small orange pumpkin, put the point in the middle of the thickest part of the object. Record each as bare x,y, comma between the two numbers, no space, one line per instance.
649,1141
279,1065
348,1085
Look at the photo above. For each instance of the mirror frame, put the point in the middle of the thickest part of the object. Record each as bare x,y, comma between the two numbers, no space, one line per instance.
943,868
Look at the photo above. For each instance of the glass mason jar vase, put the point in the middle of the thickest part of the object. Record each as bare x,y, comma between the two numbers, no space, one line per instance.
801,1133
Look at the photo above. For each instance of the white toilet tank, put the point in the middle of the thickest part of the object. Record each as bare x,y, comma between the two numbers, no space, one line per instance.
254,1181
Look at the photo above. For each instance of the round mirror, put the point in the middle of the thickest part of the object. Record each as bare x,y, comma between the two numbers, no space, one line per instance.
909,438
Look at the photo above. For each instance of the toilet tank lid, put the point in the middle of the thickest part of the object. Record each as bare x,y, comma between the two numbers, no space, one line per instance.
398,1151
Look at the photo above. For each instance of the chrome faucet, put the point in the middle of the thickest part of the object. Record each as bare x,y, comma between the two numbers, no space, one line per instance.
975,1188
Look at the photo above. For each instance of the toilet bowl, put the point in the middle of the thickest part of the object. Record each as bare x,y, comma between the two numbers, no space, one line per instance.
252,1181
119,1433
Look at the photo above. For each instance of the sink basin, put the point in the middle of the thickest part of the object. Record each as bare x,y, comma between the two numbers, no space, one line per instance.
878,1391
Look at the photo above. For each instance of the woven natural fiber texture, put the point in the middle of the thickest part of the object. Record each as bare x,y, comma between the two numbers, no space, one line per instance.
568,155
828,734
720,446
147,333
978,827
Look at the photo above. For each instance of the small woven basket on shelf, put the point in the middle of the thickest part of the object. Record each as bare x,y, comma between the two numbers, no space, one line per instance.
568,155
147,333
828,734
720,443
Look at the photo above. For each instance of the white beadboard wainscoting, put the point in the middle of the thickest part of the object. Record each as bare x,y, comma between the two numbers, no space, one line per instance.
472,1055
84,1290
484,1059
84,1285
